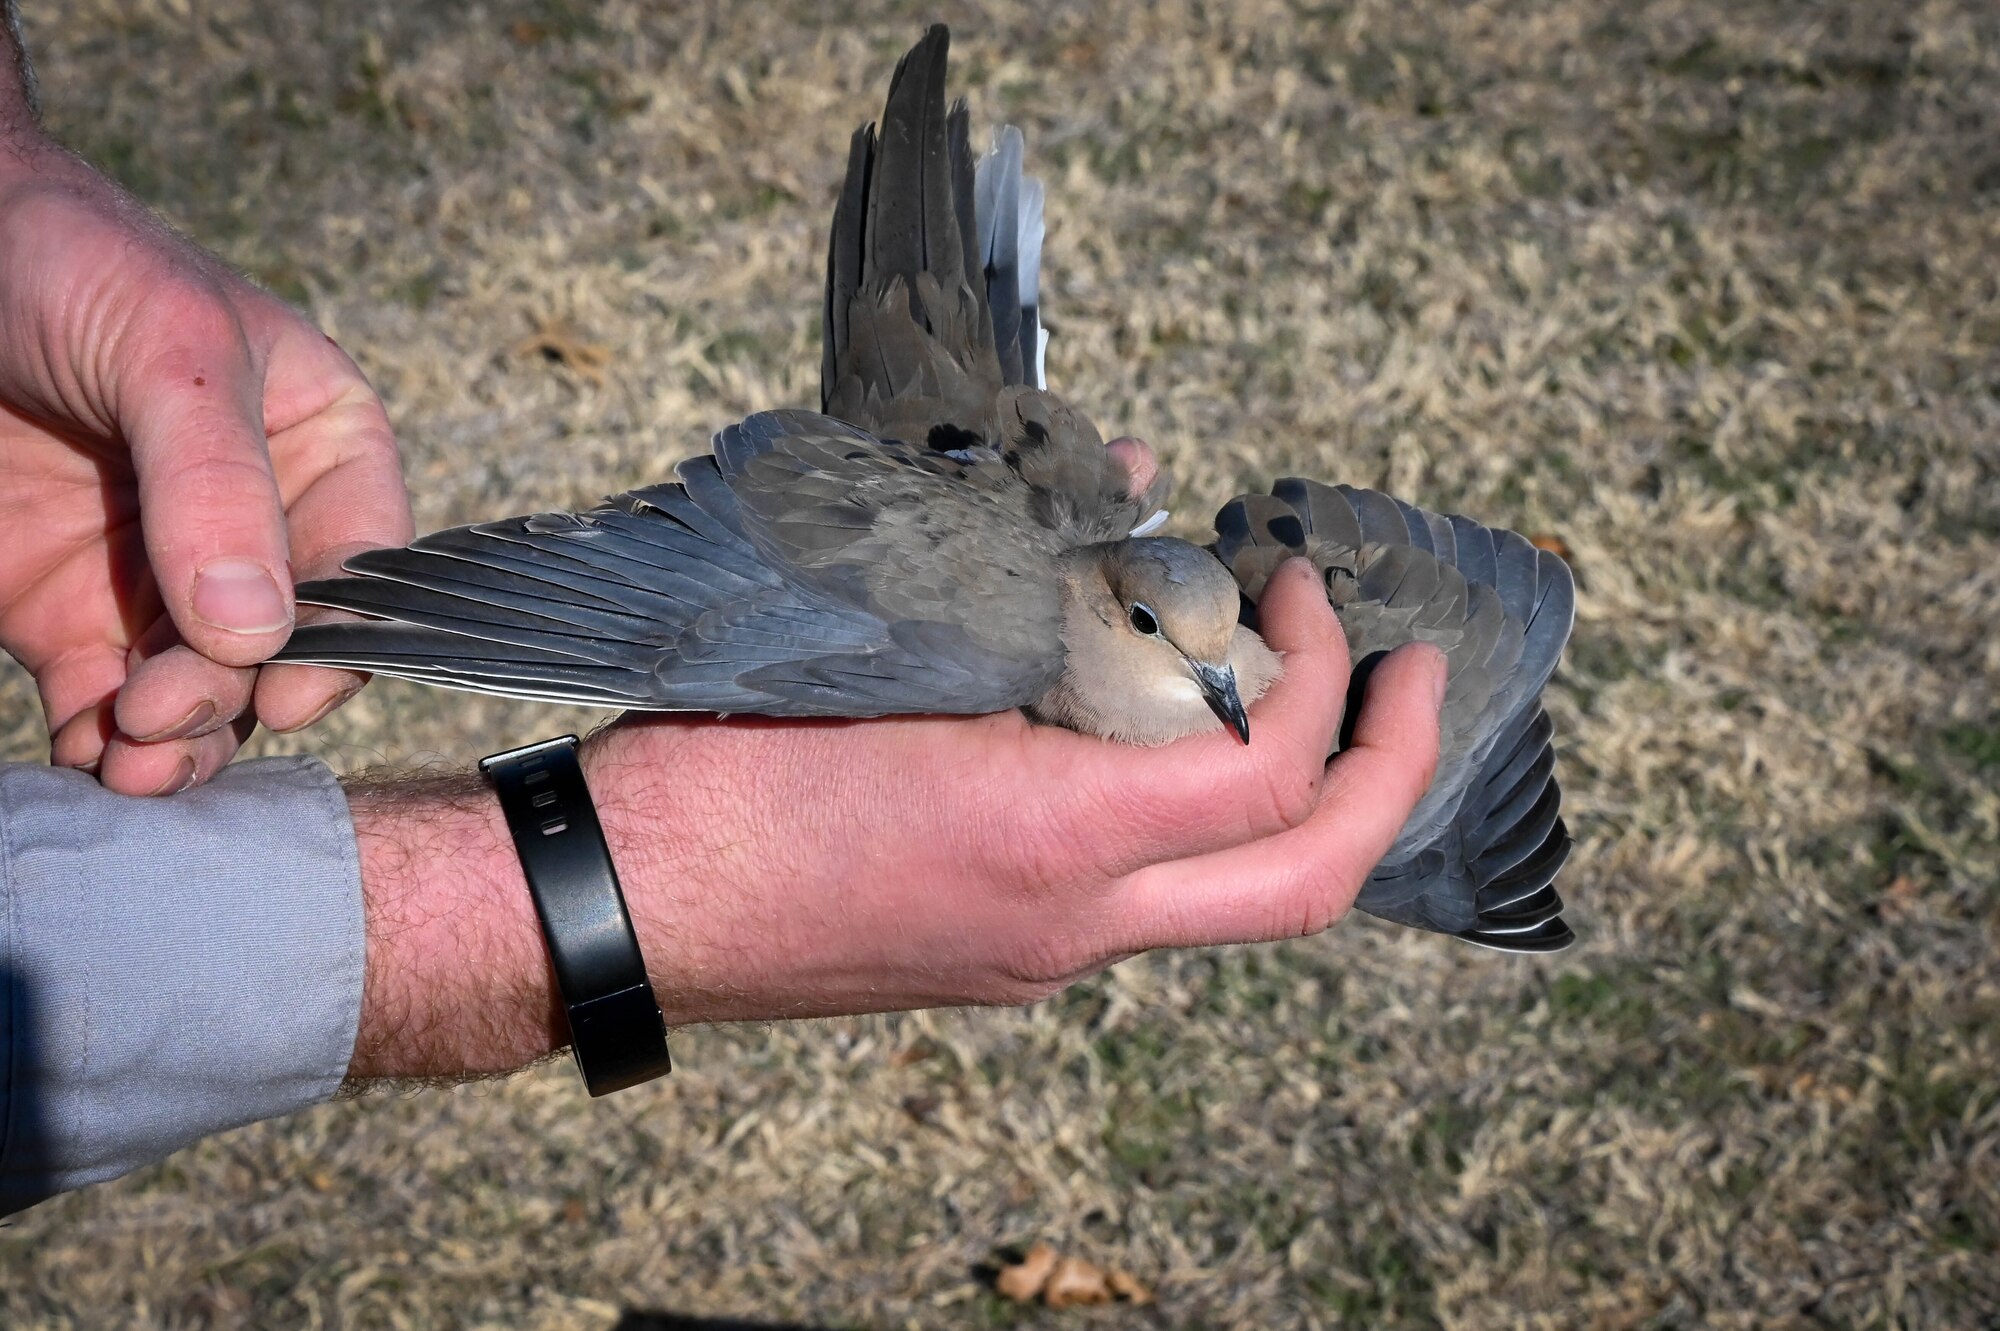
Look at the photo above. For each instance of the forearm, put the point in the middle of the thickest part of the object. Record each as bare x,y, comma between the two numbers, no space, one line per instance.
29,156
458,982
20,104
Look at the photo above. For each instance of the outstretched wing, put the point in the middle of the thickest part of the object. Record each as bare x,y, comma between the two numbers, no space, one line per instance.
1479,855
806,569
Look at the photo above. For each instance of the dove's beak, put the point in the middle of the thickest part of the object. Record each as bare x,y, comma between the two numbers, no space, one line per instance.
1218,688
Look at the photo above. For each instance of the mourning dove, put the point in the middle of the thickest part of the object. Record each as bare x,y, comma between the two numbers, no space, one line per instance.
947,536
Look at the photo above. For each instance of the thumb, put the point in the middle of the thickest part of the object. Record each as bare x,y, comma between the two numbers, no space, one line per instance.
209,506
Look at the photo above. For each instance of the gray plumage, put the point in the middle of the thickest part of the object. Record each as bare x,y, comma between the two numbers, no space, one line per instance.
1479,855
946,535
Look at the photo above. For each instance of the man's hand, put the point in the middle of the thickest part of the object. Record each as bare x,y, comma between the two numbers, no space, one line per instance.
788,869
176,447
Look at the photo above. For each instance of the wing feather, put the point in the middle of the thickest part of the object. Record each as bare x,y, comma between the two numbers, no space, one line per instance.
1479,855
806,568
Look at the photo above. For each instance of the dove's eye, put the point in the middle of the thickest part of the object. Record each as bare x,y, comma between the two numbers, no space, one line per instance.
1143,619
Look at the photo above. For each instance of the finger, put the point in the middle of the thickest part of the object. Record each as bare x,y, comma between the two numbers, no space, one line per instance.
77,692
208,502
1138,460
343,486
173,766
297,697
79,741
1133,806
173,692
1301,881
294,697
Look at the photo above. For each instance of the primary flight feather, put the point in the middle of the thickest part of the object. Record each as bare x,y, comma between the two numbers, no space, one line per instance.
946,535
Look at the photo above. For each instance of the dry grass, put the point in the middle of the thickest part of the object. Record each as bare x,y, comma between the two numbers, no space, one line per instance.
1708,289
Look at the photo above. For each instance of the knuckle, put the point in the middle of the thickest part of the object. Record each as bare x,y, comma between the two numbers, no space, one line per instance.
1064,843
1060,868
1023,991
1037,968
1317,903
1323,903
198,474
1282,796
1170,918
186,316
215,503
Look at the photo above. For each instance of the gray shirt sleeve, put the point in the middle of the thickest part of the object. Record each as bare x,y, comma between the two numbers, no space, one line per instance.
168,967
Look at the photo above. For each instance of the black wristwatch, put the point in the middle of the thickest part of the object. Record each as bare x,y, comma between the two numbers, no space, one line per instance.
616,1030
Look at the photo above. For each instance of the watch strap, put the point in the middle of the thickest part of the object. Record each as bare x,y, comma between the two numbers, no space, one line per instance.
616,1029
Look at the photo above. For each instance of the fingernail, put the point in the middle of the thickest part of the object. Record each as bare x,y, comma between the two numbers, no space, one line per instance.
325,711
1440,677
201,719
182,778
240,597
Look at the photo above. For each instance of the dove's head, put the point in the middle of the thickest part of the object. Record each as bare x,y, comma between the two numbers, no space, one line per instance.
1154,649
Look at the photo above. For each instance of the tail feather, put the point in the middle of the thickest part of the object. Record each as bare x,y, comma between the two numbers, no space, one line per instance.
965,216
997,194
1011,231
908,349
844,260
933,291
912,222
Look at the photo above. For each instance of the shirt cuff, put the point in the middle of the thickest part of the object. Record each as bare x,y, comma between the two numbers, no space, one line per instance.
169,967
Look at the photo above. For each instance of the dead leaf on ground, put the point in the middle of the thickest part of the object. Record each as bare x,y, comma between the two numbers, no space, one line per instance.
916,1051
1900,896
1022,1281
1067,1282
555,340
1127,1287
1076,1281
1554,544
